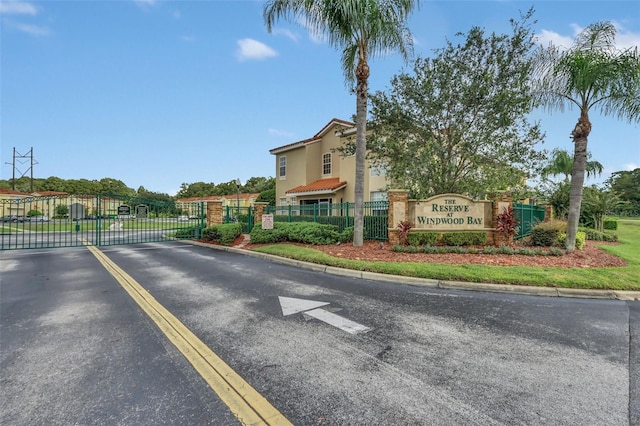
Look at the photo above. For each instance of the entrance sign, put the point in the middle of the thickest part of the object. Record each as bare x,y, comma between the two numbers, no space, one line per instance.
142,211
124,210
452,212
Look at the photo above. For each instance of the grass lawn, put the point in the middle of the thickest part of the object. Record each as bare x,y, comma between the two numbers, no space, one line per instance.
623,278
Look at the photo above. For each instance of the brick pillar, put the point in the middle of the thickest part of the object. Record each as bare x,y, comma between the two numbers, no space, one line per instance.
502,200
398,212
260,208
548,213
214,213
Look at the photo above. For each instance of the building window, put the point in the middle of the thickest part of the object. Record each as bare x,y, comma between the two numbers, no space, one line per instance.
282,167
379,204
326,164
377,170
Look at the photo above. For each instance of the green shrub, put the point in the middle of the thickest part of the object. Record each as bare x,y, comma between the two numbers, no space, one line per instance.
211,234
268,236
464,238
610,224
229,232
224,234
423,238
457,249
594,235
186,233
346,236
555,251
300,232
429,249
546,233
490,250
580,240
505,250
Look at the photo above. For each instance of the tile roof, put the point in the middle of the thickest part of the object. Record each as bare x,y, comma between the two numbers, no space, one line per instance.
12,192
50,193
320,186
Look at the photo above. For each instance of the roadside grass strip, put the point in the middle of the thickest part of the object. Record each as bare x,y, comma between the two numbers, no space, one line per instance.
249,406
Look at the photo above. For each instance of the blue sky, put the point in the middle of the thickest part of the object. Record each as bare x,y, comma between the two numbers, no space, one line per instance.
159,93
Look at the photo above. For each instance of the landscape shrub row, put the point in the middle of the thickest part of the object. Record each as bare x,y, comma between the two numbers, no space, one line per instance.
300,232
447,238
430,249
224,234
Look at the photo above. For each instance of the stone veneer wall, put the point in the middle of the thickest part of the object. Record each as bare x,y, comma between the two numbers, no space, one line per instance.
214,213
400,209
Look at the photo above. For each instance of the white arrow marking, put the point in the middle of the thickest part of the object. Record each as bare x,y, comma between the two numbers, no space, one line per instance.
338,321
291,305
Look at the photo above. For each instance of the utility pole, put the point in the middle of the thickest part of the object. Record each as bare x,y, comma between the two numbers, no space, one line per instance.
22,159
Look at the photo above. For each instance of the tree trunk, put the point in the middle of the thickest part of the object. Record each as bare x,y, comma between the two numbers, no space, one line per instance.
579,134
362,89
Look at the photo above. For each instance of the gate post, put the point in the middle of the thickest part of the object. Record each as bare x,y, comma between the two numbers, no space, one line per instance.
214,213
398,212
260,207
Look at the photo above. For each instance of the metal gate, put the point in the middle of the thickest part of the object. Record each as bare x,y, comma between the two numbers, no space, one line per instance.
529,216
241,215
73,220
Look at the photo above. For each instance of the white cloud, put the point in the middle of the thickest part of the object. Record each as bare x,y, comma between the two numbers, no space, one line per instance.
33,30
249,49
146,2
277,132
631,166
17,8
624,38
287,33
547,37
188,39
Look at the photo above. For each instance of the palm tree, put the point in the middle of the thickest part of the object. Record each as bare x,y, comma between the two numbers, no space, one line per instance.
562,164
592,73
362,29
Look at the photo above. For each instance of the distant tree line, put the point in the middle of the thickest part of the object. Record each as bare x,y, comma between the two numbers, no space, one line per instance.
265,186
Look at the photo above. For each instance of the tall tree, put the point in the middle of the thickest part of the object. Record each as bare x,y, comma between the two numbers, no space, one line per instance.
561,163
591,74
362,29
458,122
627,185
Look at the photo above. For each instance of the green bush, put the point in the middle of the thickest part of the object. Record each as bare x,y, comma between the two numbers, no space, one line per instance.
186,233
211,234
593,235
346,236
580,239
610,224
546,233
268,236
224,234
300,232
555,251
464,238
423,238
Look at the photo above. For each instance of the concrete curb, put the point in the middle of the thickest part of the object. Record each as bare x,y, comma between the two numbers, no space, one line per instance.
443,284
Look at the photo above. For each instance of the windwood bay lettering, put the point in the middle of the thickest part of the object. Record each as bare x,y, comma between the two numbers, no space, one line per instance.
450,212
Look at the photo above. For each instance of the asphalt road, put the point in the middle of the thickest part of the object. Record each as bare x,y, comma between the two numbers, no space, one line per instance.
76,349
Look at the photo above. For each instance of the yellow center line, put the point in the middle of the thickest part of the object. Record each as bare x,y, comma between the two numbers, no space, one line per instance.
249,406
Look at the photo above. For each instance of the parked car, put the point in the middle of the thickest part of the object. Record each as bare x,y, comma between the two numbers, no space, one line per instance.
183,218
39,219
10,218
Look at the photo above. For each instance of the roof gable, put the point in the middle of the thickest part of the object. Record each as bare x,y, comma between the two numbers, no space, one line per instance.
318,136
